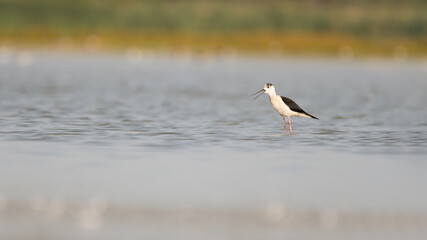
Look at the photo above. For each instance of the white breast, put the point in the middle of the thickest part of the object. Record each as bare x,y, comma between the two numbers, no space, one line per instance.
280,107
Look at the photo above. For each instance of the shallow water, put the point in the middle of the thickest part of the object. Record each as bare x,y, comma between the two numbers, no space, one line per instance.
171,147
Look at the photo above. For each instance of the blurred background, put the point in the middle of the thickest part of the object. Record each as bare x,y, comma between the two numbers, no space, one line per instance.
126,119
387,28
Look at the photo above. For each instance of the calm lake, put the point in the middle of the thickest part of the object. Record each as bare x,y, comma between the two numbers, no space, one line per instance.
134,146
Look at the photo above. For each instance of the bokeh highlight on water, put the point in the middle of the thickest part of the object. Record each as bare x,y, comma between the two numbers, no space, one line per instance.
176,143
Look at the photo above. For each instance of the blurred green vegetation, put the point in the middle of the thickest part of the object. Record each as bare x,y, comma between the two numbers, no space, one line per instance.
364,20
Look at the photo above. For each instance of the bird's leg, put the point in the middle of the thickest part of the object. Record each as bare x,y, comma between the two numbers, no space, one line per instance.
284,125
290,124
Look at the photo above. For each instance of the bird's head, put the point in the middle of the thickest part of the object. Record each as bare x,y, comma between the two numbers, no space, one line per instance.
268,89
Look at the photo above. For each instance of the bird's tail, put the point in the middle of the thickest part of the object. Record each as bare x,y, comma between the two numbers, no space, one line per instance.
311,116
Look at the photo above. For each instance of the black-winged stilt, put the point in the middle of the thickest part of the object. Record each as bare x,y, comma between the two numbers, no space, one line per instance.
286,107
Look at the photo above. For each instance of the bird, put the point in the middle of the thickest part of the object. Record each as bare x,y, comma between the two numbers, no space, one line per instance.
284,106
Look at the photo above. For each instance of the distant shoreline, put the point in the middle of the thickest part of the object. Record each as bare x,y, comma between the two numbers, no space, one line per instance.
350,29
252,43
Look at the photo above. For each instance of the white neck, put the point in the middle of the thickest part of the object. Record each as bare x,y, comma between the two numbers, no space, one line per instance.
271,93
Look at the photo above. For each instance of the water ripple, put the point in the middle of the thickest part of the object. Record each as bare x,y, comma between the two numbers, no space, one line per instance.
106,103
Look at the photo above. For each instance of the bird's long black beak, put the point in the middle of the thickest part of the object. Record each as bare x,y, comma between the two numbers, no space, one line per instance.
260,91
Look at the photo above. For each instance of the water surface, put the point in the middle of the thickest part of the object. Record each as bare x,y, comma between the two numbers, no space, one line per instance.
171,147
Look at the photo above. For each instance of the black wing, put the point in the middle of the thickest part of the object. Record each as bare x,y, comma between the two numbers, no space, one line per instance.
294,107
